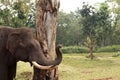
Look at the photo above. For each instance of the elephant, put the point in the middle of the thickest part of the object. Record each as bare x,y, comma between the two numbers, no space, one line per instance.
20,44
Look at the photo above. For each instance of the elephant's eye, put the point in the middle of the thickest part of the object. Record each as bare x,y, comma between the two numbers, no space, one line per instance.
30,47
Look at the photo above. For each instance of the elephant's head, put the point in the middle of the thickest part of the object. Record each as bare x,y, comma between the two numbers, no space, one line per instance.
23,46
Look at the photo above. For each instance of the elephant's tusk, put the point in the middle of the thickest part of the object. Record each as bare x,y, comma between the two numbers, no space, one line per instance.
40,66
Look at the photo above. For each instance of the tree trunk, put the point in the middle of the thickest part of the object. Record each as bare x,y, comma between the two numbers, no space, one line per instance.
46,22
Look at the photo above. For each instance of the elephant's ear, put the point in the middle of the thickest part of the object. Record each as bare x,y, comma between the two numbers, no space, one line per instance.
13,41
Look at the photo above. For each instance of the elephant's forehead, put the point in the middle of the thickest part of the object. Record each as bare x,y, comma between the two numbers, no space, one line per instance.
25,32
27,36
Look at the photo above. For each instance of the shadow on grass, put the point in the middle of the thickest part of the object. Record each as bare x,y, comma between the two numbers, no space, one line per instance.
25,75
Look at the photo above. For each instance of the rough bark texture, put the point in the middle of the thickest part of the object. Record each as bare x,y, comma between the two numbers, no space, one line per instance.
46,22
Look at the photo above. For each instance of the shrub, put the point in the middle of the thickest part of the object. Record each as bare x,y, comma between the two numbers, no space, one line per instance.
75,49
113,48
116,54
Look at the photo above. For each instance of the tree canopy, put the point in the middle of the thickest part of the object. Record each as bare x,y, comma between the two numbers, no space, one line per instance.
17,14
100,23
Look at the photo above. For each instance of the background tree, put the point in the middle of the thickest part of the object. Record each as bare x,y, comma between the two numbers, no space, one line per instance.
116,21
104,29
18,13
68,29
89,18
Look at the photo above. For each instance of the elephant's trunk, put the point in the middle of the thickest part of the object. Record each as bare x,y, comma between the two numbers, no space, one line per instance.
46,64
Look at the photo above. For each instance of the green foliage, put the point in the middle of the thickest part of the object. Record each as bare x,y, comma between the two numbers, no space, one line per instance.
75,49
92,22
5,16
88,41
113,48
18,14
104,30
68,30
118,1
116,54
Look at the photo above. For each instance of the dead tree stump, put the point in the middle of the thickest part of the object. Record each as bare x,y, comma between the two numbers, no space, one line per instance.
46,22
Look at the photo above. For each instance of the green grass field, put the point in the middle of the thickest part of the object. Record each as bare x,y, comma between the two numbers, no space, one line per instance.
78,67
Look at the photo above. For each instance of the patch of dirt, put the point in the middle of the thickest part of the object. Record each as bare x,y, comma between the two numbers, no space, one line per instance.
26,75
109,78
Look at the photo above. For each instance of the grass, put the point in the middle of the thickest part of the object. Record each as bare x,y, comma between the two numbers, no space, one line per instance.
24,71
78,67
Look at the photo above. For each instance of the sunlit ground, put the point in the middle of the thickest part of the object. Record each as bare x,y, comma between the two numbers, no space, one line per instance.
78,67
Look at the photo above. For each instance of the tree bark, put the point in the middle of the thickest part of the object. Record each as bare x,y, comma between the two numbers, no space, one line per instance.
46,22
